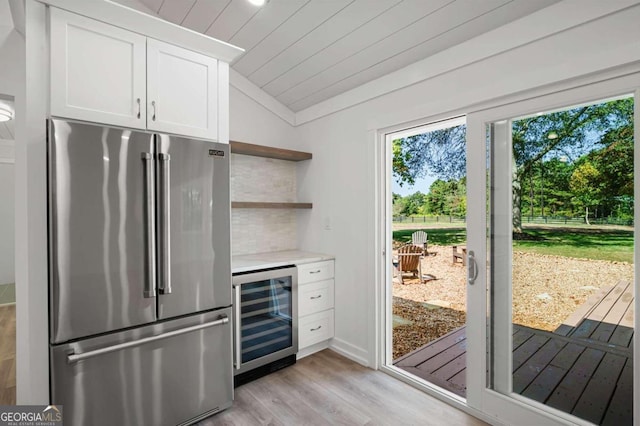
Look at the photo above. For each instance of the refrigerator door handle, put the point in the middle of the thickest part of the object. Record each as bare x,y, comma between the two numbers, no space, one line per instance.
237,325
164,199
73,357
150,248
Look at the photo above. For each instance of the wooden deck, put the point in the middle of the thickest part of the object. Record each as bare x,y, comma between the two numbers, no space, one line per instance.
584,368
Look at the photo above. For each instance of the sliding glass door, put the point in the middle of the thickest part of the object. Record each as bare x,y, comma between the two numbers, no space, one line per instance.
551,242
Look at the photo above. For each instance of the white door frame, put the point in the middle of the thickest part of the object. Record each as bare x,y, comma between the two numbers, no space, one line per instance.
383,154
513,409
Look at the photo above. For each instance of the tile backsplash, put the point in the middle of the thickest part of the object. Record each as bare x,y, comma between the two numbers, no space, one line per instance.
262,230
262,179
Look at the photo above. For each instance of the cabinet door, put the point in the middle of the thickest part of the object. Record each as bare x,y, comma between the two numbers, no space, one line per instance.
182,89
97,71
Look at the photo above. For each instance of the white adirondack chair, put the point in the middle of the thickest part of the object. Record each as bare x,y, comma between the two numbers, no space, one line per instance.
421,239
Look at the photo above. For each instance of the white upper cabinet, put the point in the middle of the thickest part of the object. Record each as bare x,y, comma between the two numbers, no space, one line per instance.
182,91
105,74
98,72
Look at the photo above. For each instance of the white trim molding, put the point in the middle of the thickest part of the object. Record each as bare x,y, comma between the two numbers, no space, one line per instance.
17,15
350,351
130,19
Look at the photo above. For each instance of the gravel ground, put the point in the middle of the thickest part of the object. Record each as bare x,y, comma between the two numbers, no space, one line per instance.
427,324
546,290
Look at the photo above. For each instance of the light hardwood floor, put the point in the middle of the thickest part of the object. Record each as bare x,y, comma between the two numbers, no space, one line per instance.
8,354
328,389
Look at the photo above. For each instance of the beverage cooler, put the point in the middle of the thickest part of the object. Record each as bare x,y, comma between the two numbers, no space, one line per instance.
265,321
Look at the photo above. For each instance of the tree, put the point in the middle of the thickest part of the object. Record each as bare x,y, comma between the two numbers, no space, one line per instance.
447,197
570,133
413,204
585,185
442,152
397,203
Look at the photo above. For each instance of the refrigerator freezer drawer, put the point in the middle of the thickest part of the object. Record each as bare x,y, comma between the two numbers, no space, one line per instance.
163,374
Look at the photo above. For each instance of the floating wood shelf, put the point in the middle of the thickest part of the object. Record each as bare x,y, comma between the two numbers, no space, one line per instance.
268,152
265,205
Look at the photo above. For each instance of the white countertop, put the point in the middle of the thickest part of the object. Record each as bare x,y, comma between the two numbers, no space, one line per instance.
252,262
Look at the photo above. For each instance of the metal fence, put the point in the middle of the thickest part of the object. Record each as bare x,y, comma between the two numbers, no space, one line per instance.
568,220
562,220
429,219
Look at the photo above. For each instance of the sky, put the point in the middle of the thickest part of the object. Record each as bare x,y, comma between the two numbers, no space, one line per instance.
421,185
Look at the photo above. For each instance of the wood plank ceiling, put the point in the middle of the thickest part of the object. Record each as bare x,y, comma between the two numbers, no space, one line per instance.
306,51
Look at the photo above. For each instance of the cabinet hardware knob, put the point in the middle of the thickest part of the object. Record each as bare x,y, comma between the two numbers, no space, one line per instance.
316,329
316,297
315,272
153,104
138,101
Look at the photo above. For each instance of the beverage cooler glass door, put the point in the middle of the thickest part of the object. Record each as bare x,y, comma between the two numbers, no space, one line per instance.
265,317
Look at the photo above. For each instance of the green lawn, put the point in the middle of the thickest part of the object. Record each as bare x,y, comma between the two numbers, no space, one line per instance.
438,236
585,243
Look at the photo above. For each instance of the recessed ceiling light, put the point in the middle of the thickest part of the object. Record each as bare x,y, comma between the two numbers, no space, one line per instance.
5,114
257,2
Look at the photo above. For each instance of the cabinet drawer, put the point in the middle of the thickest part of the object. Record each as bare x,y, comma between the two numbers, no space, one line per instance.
315,328
315,297
312,272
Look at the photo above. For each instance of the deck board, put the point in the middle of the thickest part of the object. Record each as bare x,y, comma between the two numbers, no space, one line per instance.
594,401
427,352
607,320
453,367
530,369
520,335
583,310
623,333
620,409
443,357
527,350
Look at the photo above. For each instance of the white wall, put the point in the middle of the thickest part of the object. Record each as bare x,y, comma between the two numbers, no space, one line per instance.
7,203
340,180
252,123
11,61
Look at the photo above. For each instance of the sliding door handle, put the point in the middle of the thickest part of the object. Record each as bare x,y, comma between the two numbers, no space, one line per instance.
149,228
164,226
472,266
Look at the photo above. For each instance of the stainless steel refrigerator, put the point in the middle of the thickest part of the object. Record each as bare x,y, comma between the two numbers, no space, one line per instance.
140,276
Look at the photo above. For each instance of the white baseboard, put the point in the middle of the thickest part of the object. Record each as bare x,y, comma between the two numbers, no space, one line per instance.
350,351
312,349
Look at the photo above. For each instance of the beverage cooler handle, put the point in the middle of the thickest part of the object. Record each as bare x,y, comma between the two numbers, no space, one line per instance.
164,195
238,335
150,232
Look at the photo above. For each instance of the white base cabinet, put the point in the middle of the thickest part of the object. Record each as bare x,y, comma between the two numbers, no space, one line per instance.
315,306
